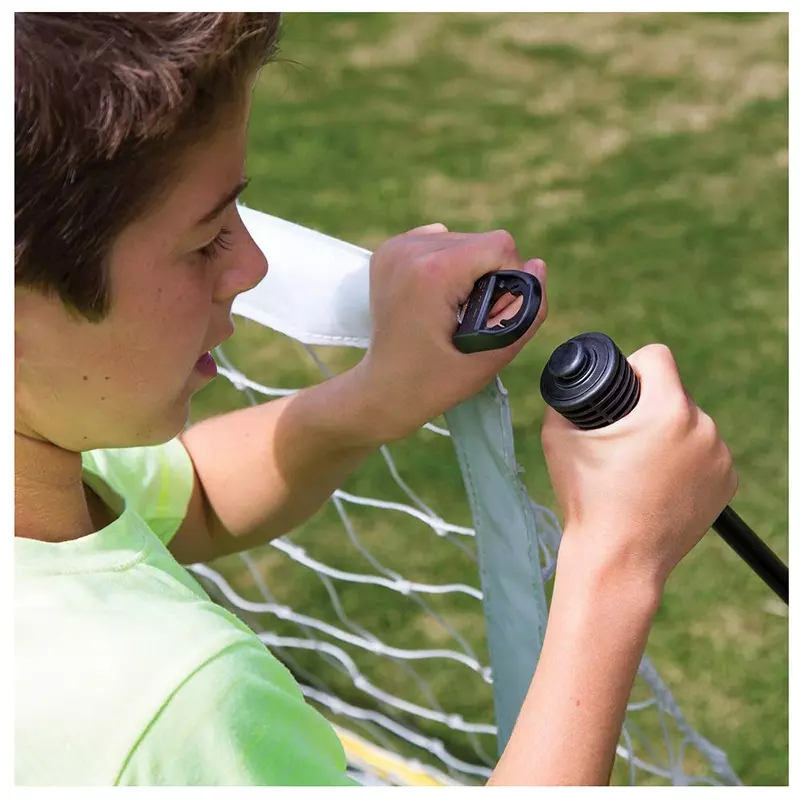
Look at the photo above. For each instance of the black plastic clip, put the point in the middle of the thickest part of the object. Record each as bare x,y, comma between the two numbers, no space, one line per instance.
472,336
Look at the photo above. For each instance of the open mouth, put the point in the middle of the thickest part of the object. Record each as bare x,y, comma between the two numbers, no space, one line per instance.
206,365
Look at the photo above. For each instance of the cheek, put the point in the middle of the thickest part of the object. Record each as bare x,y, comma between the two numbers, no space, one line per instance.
161,302
125,380
167,326
83,392
133,369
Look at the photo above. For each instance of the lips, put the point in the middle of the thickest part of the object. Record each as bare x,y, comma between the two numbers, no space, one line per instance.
206,365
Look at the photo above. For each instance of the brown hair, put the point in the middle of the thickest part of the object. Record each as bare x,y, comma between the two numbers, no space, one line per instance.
105,105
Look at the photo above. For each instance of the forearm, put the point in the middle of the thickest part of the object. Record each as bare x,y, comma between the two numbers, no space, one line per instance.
267,468
570,722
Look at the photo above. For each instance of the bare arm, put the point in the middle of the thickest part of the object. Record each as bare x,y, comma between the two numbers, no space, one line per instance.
261,471
570,722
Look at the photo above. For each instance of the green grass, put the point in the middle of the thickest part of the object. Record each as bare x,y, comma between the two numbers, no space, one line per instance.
644,157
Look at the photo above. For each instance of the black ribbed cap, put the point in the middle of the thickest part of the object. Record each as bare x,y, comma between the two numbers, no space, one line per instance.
589,381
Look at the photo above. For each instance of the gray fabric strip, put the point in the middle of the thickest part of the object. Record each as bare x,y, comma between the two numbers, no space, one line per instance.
515,606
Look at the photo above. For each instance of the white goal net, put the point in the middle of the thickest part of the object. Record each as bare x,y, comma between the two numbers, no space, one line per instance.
376,604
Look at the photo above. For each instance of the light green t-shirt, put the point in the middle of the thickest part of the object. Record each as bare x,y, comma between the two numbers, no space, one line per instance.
127,673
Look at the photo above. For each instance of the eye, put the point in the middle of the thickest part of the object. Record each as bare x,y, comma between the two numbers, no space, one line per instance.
222,241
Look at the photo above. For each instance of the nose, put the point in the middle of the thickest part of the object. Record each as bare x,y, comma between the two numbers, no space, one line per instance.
248,266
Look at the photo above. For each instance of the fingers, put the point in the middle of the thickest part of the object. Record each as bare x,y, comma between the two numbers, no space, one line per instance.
476,254
537,268
463,258
488,252
505,308
662,389
508,305
655,365
469,255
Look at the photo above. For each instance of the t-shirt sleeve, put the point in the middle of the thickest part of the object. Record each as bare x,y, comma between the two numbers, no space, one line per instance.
156,481
238,721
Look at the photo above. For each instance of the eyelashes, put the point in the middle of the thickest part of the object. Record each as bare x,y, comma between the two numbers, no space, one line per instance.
222,241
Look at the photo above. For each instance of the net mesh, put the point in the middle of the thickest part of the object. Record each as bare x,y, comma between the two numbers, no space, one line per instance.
374,606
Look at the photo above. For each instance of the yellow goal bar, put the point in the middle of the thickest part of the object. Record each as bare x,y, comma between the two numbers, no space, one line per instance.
386,766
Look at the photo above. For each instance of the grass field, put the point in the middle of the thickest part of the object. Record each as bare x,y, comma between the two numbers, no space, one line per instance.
645,158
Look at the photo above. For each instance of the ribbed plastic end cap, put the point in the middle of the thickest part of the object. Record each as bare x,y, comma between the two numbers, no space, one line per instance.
589,381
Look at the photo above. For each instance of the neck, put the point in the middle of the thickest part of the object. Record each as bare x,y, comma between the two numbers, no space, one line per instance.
50,503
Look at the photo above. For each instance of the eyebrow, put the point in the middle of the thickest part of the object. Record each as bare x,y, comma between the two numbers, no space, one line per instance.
223,203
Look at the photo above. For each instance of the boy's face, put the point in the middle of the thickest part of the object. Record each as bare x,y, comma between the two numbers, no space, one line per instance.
128,380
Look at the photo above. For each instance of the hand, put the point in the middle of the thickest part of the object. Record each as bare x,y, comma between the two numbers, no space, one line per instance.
412,371
638,495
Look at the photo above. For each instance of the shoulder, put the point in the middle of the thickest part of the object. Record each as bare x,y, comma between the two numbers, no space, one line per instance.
156,481
95,671
165,694
239,719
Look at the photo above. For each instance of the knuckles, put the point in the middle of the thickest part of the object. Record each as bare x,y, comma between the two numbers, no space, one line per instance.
502,240
709,431
675,414
428,251
655,357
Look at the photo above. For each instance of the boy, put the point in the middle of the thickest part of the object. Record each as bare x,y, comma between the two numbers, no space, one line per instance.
130,152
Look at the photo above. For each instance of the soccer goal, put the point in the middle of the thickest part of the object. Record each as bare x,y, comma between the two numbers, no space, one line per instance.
412,608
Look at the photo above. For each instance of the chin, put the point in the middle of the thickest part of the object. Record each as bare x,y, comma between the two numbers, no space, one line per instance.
172,426
166,428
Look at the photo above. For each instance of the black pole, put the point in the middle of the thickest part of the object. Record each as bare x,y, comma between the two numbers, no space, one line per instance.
740,536
589,381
